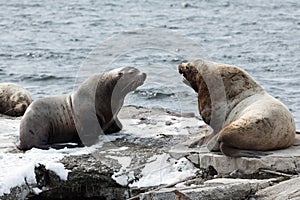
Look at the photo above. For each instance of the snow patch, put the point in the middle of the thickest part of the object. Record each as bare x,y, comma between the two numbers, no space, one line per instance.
37,190
159,170
59,170
156,125
14,171
165,170
119,149
16,167
120,177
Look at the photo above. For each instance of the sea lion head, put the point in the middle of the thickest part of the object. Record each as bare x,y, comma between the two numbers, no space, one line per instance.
19,103
111,90
191,75
127,79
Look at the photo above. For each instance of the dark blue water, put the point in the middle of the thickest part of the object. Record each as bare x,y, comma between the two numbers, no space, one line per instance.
45,45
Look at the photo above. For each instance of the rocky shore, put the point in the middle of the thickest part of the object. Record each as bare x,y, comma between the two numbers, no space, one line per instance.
148,159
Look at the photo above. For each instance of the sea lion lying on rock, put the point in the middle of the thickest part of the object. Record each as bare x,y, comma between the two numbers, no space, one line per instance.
81,116
246,120
14,99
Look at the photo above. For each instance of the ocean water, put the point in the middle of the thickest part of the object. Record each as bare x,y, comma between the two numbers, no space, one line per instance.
49,47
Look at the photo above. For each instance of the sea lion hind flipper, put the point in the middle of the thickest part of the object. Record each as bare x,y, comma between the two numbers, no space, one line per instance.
65,145
233,152
211,142
200,142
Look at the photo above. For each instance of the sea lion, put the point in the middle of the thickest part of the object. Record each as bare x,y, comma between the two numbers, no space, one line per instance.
245,119
81,116
14,99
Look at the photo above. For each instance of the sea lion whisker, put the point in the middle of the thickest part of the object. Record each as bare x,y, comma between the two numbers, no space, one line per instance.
8,110
127,86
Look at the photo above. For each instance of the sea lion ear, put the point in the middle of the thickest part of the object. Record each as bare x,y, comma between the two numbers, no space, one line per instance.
119,74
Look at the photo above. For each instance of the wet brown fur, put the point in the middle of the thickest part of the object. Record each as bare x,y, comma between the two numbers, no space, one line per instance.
239,136
198,84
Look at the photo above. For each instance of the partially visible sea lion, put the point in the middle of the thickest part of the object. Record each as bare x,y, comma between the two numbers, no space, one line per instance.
246,120
14,99
81,116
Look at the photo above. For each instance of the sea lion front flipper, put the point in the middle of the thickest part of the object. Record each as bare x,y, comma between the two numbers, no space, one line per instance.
116,126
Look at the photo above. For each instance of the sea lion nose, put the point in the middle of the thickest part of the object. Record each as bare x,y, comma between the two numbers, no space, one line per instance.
24,106
180,68
144,75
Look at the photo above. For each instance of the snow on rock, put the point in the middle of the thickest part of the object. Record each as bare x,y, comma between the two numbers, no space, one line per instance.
59,169
151,150
119,177
159,124
135,147
16,167
14,171
162,169
36,190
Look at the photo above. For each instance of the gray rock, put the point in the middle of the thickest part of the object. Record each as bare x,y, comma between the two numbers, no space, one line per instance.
212,189
286,160
107,169
289,189
117,167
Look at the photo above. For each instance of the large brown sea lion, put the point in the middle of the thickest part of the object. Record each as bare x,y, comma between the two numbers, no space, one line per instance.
81,116
14,99
246,120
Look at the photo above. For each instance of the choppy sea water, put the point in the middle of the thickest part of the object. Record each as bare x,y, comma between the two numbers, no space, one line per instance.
46,46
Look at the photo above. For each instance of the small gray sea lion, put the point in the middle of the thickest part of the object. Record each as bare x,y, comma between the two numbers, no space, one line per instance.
14,99
246,120
79,117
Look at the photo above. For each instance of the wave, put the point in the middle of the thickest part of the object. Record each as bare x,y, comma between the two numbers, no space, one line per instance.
40,77
153,94
46,55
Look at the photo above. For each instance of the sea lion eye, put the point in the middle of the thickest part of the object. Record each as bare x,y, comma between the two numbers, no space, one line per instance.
21,98
131,71
13,98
